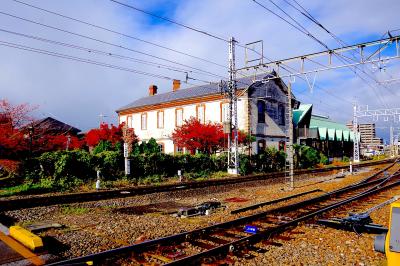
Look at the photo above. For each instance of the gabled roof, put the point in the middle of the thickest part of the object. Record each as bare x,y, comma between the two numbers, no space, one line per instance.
50,124
194,92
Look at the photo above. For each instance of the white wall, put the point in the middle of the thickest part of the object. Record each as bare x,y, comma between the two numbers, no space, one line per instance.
212,114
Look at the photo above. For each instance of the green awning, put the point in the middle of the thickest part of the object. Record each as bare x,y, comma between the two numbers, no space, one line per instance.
346,135
329,129
322,133
331,134
339,134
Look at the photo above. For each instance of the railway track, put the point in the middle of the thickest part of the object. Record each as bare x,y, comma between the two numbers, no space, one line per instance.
212,244
36,201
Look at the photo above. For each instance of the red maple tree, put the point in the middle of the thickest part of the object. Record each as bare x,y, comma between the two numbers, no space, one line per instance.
194,135
111,133
204,137
12,118
17,137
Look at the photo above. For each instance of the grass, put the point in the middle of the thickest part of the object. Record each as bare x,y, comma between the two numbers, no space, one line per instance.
26,188
68,210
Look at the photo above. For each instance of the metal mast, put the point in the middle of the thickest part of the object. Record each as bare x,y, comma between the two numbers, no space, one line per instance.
290,133
356,148
391,142
233,160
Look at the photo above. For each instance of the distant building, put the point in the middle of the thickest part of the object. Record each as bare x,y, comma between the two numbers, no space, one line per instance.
51,126
368,138
261,112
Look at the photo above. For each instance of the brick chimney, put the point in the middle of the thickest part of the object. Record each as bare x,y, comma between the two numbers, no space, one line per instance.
152,90
176,84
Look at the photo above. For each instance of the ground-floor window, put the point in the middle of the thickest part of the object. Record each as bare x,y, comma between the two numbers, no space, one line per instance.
260,145
282,145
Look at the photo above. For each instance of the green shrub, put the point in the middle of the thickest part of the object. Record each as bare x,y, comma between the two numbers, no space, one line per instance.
245,166
323,159
308,157
110,164
103,146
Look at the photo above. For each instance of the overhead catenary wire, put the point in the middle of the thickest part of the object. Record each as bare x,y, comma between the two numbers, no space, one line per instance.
101,41
117,32
303,30
172,21
211,35
100,27
114,55
83,60
309,16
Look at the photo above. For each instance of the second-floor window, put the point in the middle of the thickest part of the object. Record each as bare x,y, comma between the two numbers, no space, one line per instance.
271,110
179,117
201,113
129,121
144,121
160,119
261,112
281,114
224,112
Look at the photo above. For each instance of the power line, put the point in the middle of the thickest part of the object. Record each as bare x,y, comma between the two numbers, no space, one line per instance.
309,16
117,32
101,41
95,51
80,59
100,27
307,33
172,21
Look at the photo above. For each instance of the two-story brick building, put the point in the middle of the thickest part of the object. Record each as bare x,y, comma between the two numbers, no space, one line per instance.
261,111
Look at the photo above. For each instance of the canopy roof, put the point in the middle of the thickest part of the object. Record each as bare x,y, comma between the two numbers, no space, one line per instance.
330,130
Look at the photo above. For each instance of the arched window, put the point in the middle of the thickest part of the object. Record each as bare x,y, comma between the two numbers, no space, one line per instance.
261,111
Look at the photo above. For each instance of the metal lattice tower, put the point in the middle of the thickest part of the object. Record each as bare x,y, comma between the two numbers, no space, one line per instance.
392,151
233,156
356,143
289,146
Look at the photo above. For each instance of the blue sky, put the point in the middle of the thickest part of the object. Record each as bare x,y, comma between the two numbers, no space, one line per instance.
77,93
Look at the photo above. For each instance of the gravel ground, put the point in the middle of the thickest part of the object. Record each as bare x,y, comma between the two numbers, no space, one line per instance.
320,245
98,226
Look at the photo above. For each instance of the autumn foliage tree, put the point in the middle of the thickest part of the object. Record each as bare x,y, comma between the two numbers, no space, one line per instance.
112,134
204,137
194,135
12,118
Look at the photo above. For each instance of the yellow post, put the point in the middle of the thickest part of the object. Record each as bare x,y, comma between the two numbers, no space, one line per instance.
392,243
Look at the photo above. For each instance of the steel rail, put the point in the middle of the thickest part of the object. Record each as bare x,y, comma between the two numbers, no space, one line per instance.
255,206
137,248
252,239
31,202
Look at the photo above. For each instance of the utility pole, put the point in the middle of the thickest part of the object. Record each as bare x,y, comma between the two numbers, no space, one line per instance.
356,144
102,116
233,156
290,140
391,142
68,142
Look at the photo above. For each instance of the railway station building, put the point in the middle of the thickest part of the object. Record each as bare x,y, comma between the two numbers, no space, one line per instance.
262,111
